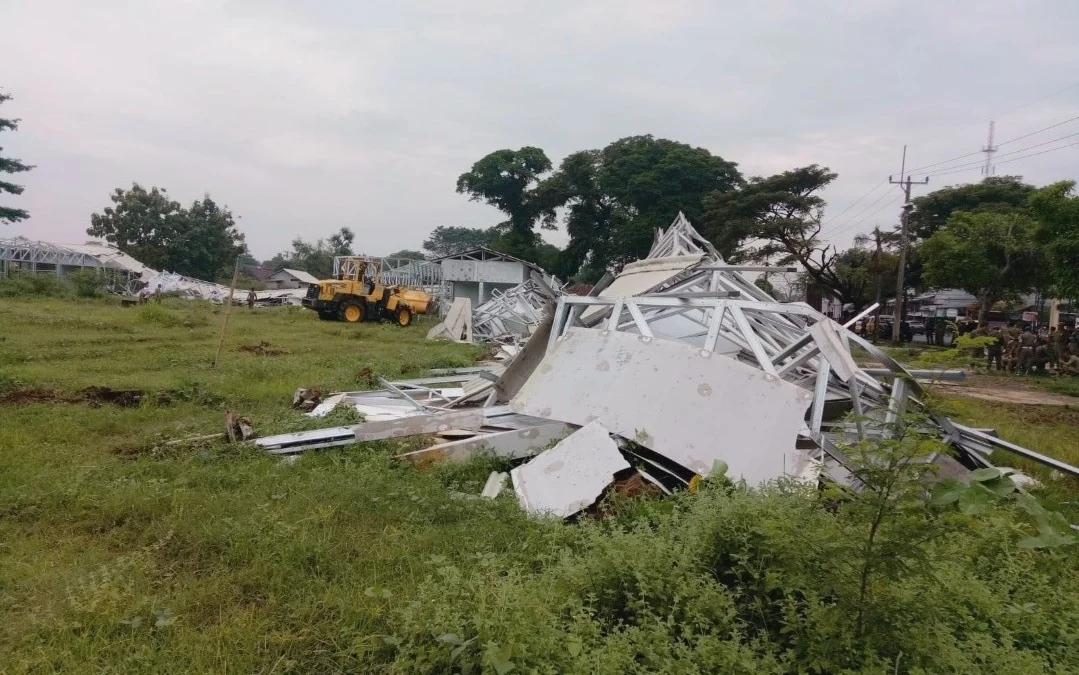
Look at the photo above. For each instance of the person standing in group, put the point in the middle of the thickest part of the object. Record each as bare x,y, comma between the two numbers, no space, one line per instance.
994,351
1054,347
939,327
1010,336
1027,342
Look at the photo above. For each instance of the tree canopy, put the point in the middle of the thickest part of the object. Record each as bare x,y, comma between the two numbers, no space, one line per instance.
1000,194
408,254
508,180
615,198
447,240
988,254
1057,209
781,216
315,257
199,242
8,214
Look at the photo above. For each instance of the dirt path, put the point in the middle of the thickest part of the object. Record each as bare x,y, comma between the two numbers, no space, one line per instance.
1005,390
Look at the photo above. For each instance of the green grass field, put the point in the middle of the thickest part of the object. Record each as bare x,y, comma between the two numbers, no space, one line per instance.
121,555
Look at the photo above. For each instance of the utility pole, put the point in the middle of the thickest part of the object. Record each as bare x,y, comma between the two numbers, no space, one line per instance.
877,255
904,243
989,149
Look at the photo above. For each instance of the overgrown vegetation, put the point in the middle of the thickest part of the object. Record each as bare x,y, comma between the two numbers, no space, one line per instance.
120,554
82,283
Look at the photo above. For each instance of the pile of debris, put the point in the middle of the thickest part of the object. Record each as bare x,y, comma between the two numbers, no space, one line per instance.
456,324
678,366
187,287
512,315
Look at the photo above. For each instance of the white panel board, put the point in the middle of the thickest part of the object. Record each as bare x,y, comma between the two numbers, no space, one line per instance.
514,444
691,406
498,271
419,424
570,476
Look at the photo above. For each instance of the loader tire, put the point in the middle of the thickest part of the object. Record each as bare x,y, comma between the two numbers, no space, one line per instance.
352,312
404,316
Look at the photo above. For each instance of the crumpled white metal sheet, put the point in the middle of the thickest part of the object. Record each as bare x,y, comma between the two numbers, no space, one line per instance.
690,405
643,276
570,476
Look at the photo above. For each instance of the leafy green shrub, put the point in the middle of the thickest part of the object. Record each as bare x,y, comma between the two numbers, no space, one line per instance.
154,313
190,391
30,285
958,356
784,579
87,283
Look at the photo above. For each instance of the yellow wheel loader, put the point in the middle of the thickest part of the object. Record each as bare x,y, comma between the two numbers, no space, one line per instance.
358,294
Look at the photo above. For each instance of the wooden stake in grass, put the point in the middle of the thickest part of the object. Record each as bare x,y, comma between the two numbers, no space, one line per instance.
228,310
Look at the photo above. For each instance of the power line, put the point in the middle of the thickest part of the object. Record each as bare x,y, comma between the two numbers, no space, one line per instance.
971,154
948,169
1019,138
855,223
1013,159
855,217
855,202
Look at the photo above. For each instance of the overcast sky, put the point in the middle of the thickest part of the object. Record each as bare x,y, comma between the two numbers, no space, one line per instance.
304,117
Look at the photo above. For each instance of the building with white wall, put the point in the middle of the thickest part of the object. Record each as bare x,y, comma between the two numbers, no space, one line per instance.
475,273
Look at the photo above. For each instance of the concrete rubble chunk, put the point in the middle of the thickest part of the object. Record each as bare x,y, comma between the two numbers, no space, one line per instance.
571,476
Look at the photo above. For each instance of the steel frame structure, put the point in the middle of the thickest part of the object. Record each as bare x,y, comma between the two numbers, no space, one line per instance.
720,311
512,313
402,271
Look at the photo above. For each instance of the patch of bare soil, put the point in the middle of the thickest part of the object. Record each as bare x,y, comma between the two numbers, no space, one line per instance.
29,395
262,349
1005,390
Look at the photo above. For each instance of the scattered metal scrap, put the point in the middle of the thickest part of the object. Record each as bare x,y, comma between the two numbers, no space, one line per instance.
515,313
677,365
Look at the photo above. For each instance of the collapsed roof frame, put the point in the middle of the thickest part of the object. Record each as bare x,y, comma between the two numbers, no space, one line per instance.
25,251
402,271
719,310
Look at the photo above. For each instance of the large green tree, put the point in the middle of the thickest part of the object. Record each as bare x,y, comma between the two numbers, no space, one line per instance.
1057,209
8,214
507,179
450,239
199,242
991,255
995,194
616,197
777,220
